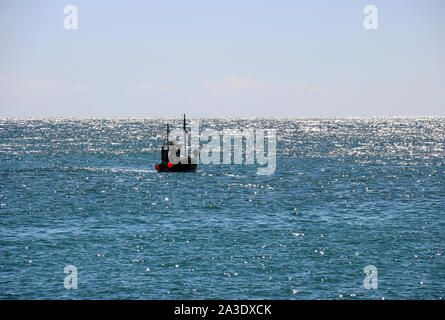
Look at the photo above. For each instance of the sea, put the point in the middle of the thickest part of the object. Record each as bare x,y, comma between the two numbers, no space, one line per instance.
85,215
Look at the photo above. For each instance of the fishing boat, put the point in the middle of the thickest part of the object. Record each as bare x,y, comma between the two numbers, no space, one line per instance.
169,148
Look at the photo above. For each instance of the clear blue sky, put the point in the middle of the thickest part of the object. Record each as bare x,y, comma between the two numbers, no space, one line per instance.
221,58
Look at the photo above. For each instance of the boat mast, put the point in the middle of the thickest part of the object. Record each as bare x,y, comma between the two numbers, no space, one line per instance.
185,140
168,131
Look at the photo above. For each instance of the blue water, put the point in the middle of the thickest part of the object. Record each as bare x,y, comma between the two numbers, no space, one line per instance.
346,193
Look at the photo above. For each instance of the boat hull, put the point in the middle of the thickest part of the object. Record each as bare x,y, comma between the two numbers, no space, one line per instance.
180,167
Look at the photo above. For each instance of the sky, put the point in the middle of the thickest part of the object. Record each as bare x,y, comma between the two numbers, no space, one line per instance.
209,58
